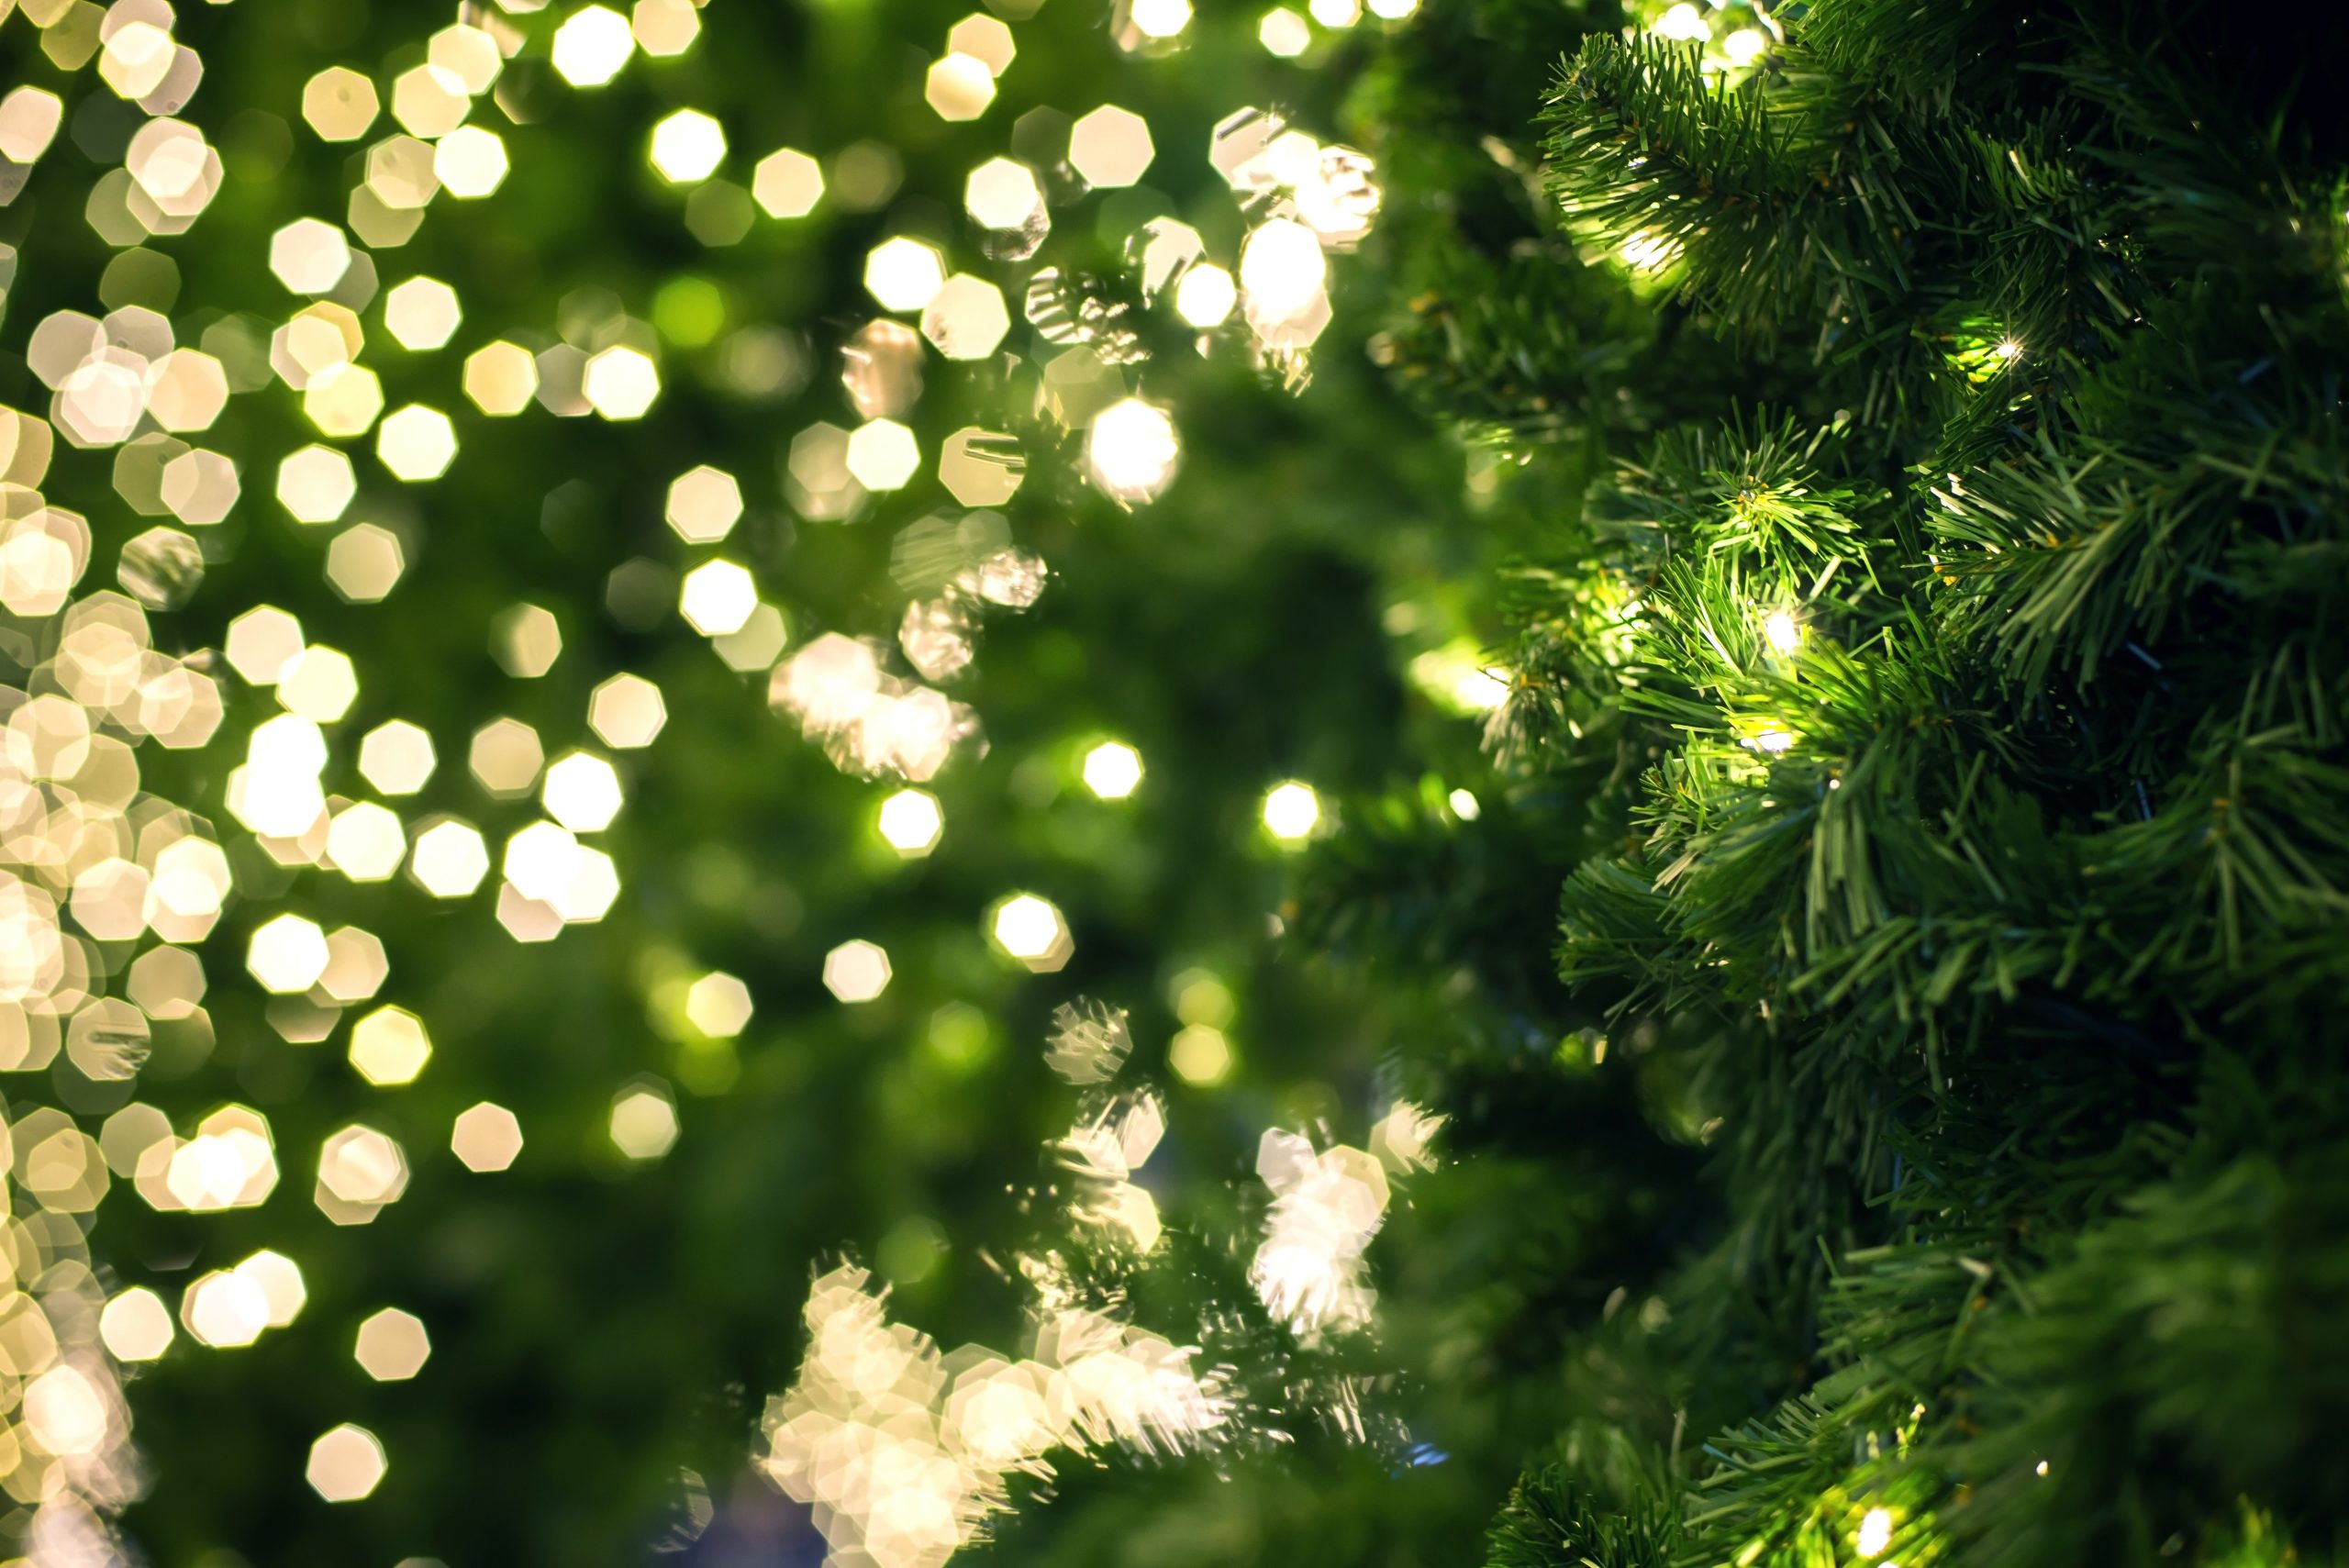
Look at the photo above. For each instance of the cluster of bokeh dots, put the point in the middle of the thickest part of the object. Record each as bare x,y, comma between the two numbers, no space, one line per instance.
121,908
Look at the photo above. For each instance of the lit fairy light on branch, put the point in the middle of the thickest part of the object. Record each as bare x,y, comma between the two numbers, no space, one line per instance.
1309,1269
905,1451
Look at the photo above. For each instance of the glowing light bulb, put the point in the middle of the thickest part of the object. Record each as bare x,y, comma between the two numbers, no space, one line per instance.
1112,769
687,146
1783,633
1876,1532
590,49
1161,19
1206,296
1283,32
1683,23
911,822
1283,268
1292,810
1131,450
1031,929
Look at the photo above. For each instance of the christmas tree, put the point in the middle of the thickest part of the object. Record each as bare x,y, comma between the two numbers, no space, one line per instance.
864,783
1918,431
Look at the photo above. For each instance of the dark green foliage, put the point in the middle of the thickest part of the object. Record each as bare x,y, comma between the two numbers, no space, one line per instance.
1957,656
1549,1519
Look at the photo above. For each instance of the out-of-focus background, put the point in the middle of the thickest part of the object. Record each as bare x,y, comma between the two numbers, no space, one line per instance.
609,610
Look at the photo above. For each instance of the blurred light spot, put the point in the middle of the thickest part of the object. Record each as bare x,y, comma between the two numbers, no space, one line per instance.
582,792
287,954
911,822
389,1047
883,455
1110,147
1283,270
282,1292
717,1005
343,399
627,712
135,1326
966,319
621,383
365,843
1292,810
504,756
428,101
346,1464
225,1309
501,378
985,39
360,1171
1161,18
787,184
1112,769
904,273
309,256
856,971
392,1345
665,29
644,1120
1206,296
525,639
687,146
704,504
29,120
396,757
717,597
1200,1055
316,484
1684,23
1283,32
1001,193
356,967
417,443
1030,929
448,860
1089,1042
467,53
592,46
1131,450
1875,1525
422,313
319,683
486,1138
959,87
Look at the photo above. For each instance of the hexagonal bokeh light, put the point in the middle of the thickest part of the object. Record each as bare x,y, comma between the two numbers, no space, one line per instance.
1030,929
392,1345
643,1124
856,971
347,1464
486,1138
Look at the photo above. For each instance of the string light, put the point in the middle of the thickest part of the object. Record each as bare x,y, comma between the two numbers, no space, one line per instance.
1112,770
1292,810
1874,1532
